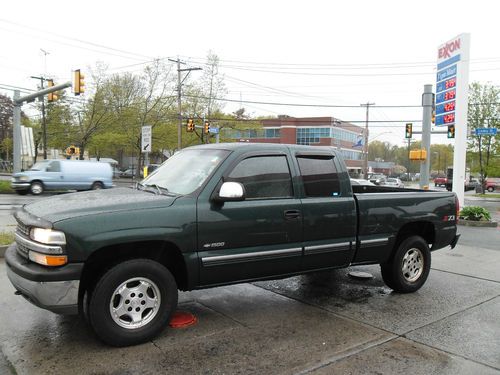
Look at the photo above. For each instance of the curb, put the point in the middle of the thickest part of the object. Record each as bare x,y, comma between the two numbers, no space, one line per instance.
472,223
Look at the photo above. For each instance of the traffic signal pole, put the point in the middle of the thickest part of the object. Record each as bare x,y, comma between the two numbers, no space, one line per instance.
427,104
18,102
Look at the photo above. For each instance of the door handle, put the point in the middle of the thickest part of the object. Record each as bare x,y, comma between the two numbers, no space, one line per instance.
292,214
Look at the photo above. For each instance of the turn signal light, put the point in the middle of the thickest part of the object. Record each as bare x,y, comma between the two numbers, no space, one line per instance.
48,260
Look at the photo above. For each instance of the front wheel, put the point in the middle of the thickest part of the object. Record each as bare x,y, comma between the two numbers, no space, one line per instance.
409,268
491,189
132,302
36,188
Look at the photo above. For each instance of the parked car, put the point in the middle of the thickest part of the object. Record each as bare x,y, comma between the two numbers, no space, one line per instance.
492,184
63,175
215,215
360,181
378,179
471,184
440,181
129,173
395,182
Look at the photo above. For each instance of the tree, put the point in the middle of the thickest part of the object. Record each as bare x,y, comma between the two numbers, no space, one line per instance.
6,115
484,111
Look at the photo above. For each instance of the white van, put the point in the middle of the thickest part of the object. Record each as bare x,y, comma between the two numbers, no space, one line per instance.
63,175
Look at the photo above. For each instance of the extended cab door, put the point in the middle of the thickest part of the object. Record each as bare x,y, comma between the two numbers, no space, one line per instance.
259,236
328,209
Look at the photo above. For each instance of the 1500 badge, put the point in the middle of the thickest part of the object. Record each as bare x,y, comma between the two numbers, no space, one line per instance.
215,244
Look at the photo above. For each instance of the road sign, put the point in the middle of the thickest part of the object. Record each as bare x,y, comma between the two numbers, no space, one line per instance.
213,130
486,131
146,139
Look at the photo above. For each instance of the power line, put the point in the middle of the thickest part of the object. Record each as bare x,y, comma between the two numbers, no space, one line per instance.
76,39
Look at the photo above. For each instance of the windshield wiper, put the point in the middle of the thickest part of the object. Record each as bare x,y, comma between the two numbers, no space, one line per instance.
161,190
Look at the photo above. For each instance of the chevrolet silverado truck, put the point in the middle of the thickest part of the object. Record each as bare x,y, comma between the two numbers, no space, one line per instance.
214,215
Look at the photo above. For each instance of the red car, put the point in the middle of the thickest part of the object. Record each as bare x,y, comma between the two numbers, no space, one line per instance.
492,184
440,181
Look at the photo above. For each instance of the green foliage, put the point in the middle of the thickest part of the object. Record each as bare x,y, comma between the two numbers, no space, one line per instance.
6,238
5,187
475,213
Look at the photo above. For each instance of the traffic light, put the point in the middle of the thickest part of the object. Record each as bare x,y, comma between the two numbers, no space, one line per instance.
79,83
408,131
50,96
206,127
190,125
451,131
433,118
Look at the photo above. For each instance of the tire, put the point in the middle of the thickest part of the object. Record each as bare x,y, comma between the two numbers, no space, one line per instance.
36,188
409,268
97,185
119,310
491,189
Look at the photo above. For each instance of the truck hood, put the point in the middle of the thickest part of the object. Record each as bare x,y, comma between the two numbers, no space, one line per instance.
66,206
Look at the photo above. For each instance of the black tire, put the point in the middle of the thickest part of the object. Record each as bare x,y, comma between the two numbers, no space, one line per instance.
36,188
409,268
22,192
158,283
97,185
491,189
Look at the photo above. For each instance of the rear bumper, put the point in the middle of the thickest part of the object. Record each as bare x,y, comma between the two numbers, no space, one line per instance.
455,240
42,286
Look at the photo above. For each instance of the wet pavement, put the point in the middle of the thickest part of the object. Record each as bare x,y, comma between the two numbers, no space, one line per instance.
321,323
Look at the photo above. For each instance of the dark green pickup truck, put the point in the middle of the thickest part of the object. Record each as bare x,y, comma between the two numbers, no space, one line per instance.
214,215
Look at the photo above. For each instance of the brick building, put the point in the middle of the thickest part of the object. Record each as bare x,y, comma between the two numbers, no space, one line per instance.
314,131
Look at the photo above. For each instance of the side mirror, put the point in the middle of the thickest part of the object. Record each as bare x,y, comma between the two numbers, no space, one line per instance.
231,191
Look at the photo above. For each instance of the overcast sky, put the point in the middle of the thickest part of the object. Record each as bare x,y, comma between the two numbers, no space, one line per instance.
294,52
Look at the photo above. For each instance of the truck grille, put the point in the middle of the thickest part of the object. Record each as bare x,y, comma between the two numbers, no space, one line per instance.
24,231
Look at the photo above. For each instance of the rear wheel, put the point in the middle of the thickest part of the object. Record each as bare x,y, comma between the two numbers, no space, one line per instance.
491,189
36,188
409,267
132,302
97,185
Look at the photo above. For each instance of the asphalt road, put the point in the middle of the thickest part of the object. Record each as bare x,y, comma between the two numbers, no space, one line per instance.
322,323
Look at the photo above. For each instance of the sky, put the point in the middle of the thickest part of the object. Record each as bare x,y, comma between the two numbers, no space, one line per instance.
314,56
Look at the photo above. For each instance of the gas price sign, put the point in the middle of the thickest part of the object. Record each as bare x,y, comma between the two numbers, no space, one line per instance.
446,94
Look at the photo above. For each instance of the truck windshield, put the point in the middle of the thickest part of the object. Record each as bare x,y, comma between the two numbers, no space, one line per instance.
40,166
186,170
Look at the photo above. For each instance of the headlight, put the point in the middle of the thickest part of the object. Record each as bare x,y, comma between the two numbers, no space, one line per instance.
48,236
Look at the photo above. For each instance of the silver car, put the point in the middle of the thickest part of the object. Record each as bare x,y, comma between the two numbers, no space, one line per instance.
395,182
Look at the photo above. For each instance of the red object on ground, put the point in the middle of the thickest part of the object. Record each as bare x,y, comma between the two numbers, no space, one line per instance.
182,319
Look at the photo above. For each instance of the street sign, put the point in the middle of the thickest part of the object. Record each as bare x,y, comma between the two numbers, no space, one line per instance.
213,130
146,139
486,131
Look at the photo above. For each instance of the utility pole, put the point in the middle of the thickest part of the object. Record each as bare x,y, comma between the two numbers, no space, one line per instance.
179,96
365,148
44,125
427,104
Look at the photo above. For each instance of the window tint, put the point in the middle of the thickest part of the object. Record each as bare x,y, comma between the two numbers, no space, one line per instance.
319,176
263,177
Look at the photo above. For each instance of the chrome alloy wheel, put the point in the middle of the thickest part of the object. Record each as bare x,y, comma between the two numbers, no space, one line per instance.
413,264
135,303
